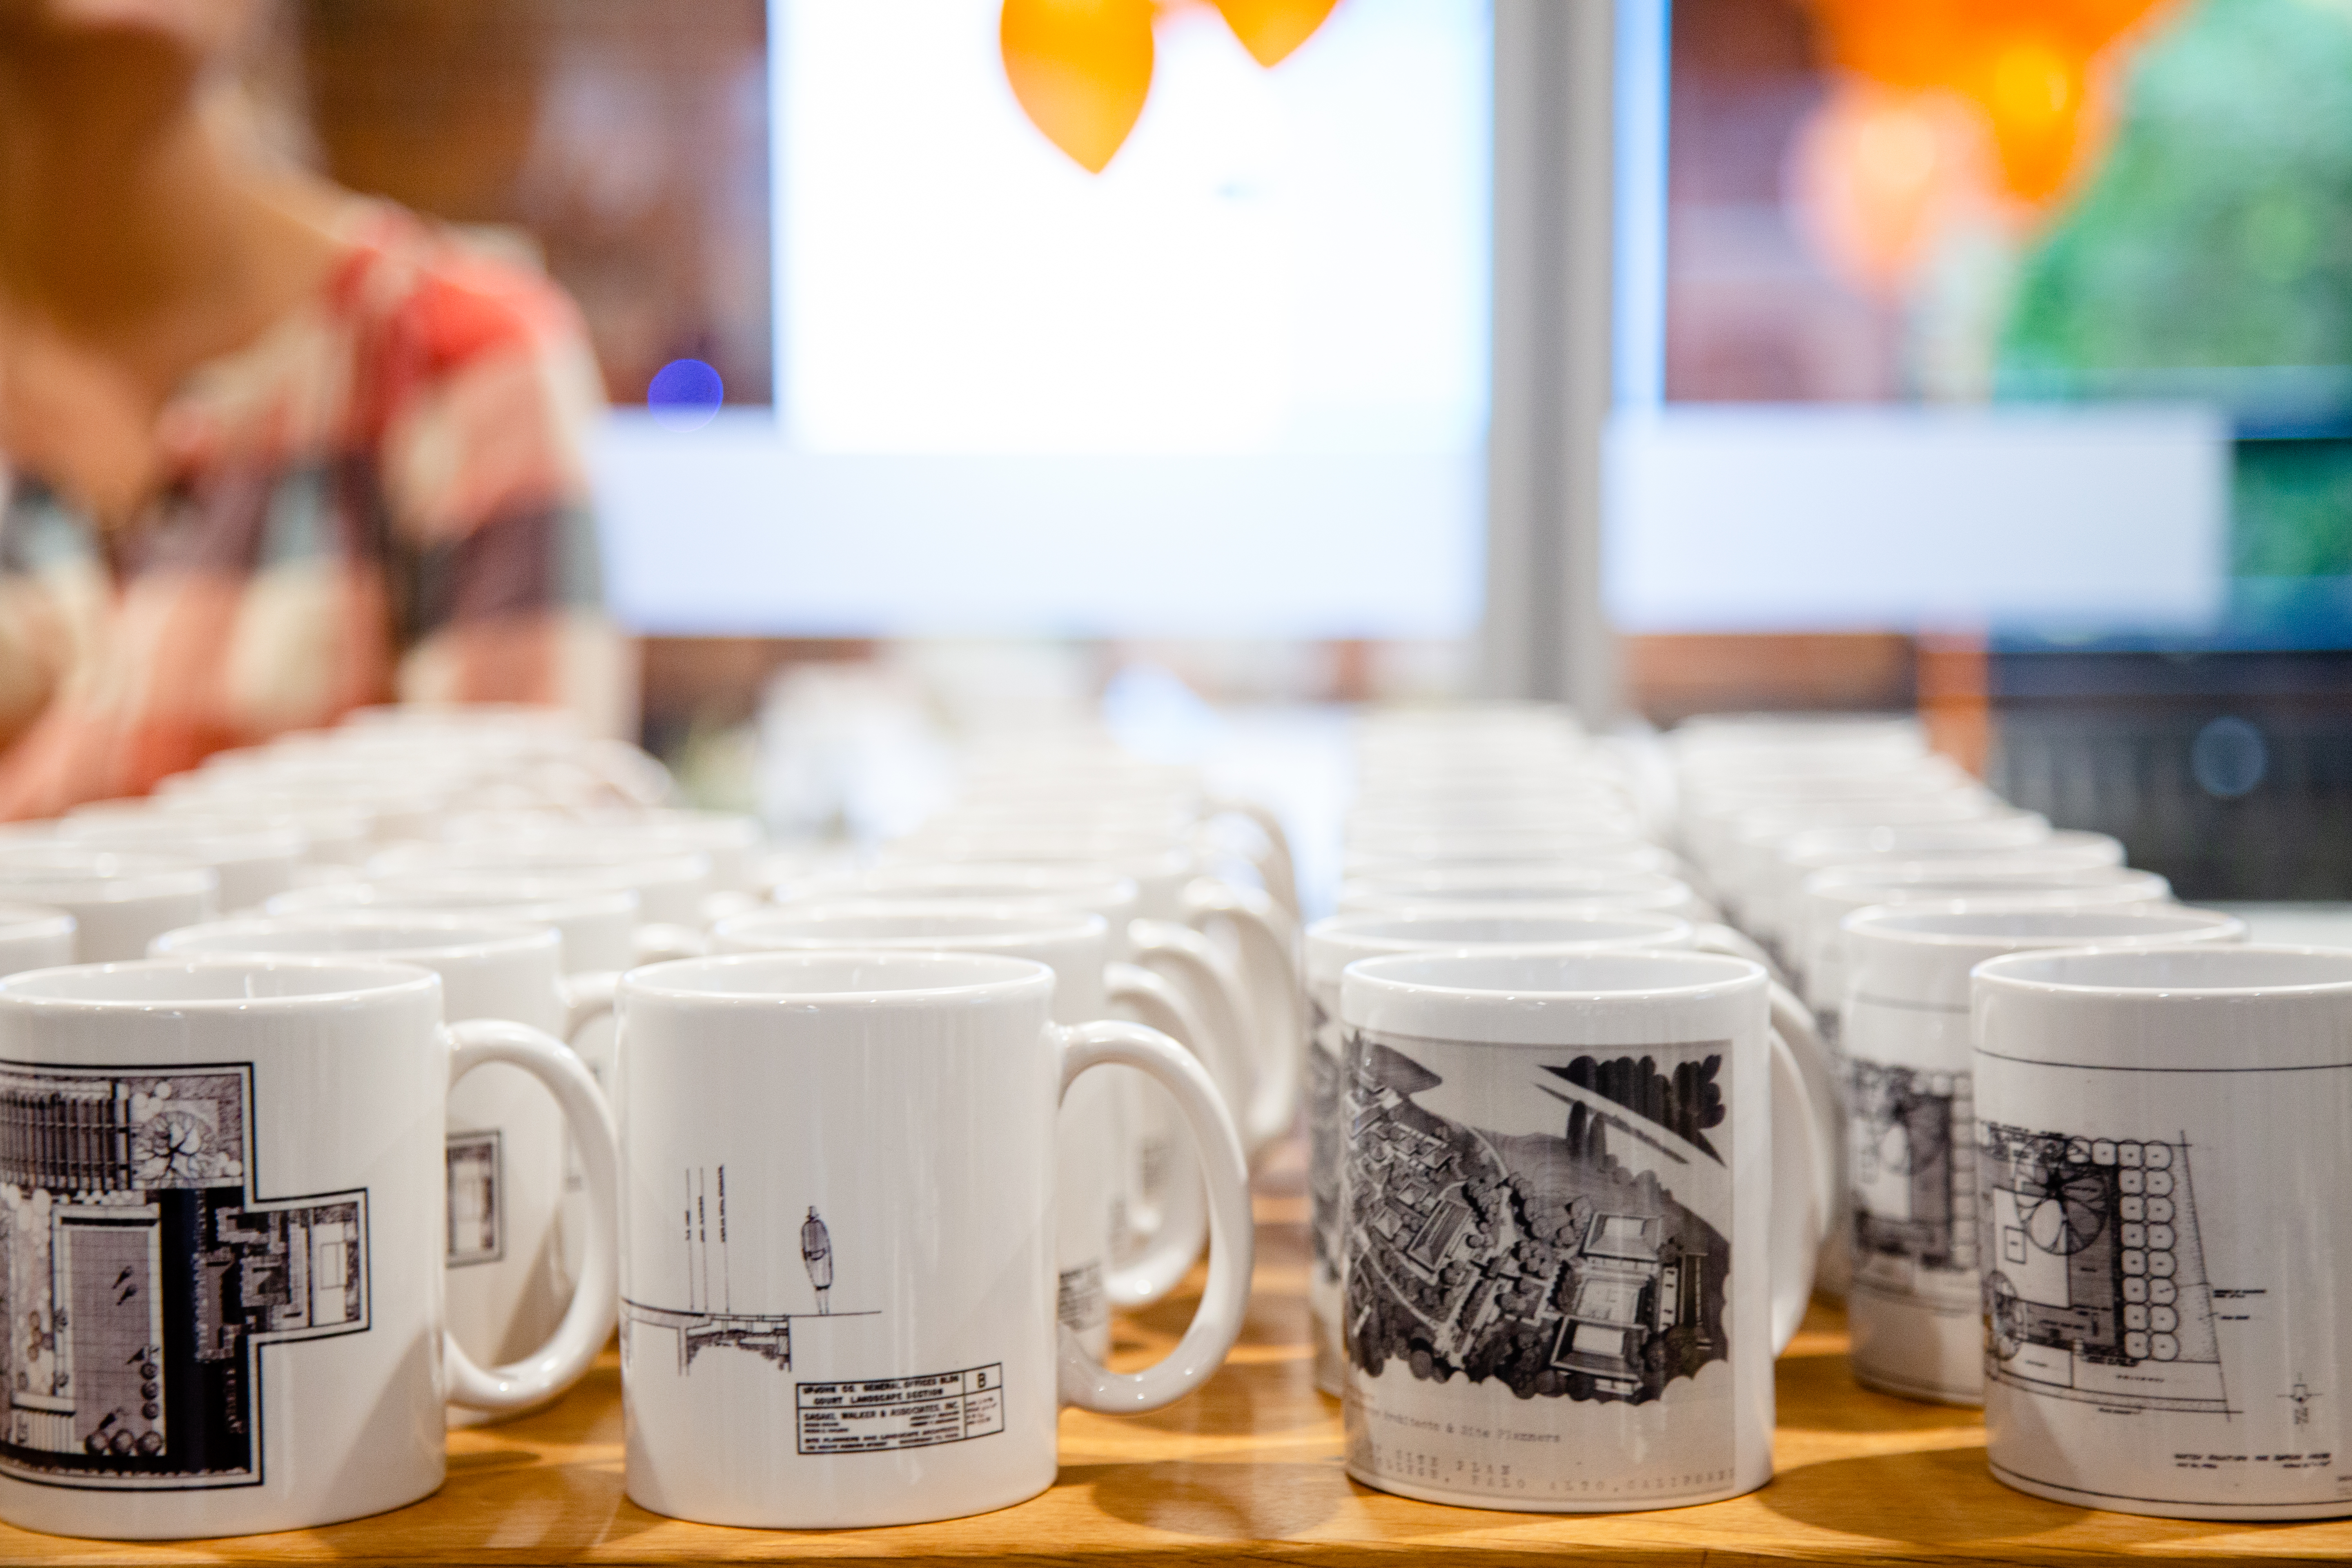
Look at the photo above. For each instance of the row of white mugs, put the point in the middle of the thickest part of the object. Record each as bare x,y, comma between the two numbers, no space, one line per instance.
530,930
2022,1213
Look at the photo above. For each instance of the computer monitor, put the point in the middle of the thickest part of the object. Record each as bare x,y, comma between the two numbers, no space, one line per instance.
1235,385
2026,324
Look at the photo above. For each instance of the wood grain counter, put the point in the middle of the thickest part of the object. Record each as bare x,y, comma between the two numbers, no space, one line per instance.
1249,1468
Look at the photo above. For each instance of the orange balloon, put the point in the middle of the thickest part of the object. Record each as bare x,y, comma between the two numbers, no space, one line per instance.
2030,66
1081,70
1271,29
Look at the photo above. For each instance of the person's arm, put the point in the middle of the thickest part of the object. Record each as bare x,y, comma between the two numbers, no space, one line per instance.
495,561
52,592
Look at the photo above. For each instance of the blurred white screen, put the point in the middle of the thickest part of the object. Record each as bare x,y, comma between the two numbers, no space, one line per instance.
1236,385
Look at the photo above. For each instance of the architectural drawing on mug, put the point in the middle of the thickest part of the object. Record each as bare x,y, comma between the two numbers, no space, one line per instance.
477,1198
1325,1144
2094,1284
709,1320
1541,1260
140,1277
1913,1196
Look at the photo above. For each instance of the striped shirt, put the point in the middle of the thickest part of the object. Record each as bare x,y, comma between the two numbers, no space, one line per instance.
384,496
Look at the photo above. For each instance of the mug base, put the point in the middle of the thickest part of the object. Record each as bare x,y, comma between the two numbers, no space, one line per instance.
458,1418
122,1528
1878,1383
1331,1369
1515,1505
753,1519
2161,1508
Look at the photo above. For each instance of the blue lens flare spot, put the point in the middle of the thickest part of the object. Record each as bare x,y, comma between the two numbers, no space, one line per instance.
685,395
2229,758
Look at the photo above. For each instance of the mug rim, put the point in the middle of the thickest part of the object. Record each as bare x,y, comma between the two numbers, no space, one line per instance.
1883,921
1052,878
478,937
2004,972
661,865
1132,856
1378,925
25,920
1394,901
1854,839
1386,974
1571,879
2022,866
141,876
1012,978
996,920
198,840
19,993
546,903
523,887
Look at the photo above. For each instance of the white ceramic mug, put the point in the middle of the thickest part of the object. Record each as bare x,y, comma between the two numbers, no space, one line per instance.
32,937
2164,1143
511,1280
1912,1303
331,835
1174,892
1090,1134
119,902
733,841
1496,888
1831,895
1196,996
1332,944
223,1195
1565,1280
838,1245
599,925
670,883
254,864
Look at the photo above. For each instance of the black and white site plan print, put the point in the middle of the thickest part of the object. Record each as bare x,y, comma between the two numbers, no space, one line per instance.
139,1276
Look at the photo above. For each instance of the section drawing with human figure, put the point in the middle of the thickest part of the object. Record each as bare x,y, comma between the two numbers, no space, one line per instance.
1558,1264
704,1317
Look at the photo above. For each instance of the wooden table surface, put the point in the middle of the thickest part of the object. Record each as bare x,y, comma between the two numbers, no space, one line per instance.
1249,1468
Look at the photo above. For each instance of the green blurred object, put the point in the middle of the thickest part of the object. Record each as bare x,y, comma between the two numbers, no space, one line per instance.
2211,258
2291,502
2217,232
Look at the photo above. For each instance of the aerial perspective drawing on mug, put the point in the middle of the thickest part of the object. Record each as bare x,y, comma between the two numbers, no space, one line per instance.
1915,1202
2095,1285
1545,1261
122,1373
1323,1132
709,1320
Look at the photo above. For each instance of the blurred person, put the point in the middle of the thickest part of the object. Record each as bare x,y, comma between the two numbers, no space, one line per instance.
267,450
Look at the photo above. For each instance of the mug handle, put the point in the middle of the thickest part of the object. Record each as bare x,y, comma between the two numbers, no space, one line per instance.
1200,968
1183,1226
586,998
595,1300
1269,955
1800,1193
1217,1321
1280,868
1792,1021
1714,936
